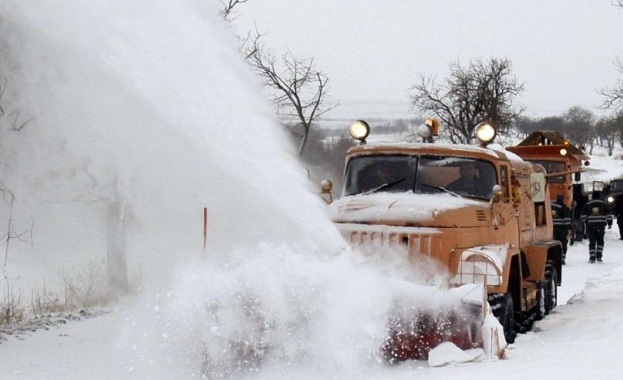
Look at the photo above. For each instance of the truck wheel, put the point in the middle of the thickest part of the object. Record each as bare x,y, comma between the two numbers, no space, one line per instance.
509,319
551,289
503,309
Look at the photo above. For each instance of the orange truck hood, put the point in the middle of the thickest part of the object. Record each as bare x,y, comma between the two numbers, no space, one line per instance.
409,209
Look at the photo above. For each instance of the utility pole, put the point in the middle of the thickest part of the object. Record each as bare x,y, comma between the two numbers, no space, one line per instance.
116,248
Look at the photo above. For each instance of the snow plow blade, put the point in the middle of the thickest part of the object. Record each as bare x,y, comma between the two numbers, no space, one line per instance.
423,318
412,335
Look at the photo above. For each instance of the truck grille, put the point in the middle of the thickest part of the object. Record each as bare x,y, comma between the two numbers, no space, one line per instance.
423,241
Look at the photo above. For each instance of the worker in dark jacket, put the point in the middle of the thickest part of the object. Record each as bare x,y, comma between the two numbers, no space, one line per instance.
596,215
561,219
618,210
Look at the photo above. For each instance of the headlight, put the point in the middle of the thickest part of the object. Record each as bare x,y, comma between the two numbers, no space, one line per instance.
359,130
485,132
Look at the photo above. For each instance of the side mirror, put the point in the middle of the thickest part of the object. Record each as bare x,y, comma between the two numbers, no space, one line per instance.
498,192
577,176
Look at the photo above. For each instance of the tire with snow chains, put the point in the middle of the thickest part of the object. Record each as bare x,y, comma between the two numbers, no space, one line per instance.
503,309
551,289
509,319
540,311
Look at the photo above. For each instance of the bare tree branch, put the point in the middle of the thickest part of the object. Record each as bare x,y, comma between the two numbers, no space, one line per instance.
614,95
11,232
228,8
299,89
15,124
2,89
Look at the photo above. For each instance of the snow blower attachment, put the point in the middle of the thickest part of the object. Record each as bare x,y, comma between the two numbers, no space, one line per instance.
481,213
413,330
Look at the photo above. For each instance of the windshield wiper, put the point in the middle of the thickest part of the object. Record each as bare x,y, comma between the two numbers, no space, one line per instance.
384,186
442,189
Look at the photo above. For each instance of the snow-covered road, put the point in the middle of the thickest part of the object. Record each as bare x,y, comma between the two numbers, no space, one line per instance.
580,339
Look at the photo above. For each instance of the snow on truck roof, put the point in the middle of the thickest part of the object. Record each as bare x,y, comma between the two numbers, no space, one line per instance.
494,151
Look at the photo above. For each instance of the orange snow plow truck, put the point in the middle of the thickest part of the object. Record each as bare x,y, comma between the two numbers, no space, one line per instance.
480,213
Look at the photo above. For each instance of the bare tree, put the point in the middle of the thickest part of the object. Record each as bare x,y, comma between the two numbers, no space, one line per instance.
299,89
482,91
116,245
14,230
614,95
617,121
580,126
526,126
607,130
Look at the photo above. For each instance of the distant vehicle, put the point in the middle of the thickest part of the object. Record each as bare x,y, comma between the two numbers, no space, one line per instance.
613,193
413,198
563,163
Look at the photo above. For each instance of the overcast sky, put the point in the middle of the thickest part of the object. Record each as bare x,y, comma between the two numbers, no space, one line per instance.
562,50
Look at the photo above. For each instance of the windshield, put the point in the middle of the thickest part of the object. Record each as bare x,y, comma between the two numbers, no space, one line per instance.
616,186
420,174
553,167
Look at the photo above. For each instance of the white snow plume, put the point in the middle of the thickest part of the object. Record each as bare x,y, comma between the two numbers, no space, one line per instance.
155,100
270,313
274,311
151,101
